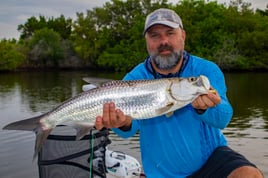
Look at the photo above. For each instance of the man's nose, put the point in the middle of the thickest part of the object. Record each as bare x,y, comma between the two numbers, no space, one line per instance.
164,40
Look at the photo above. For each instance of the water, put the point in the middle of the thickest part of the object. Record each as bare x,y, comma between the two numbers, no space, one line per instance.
23,95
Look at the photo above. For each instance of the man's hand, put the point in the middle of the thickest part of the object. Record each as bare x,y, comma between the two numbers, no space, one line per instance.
204,102
112,118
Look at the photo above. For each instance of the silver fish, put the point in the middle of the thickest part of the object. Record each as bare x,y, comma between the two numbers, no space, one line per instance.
140,99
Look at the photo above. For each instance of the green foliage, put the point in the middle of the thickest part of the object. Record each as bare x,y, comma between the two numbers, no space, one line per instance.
46,47
60,25
255,47
111,37
214,31
10,56
234,36
122,57
85,36
221,33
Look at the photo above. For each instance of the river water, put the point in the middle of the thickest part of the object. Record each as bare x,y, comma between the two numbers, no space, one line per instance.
25,94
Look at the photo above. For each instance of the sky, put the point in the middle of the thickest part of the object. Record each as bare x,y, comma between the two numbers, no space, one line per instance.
16,12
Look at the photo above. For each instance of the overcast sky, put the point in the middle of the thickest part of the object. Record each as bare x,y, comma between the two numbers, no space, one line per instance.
15,12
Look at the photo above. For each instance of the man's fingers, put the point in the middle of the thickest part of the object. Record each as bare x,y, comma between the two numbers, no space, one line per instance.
214,97
98,123
106,114
113,116
207,101
120,116
199,103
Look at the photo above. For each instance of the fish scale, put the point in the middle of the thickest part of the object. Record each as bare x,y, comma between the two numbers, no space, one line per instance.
131,97
140,99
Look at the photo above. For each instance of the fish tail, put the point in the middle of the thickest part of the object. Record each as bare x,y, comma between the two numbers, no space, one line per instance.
30,124
33,124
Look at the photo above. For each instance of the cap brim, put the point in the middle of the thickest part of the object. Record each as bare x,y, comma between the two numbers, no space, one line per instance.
166,23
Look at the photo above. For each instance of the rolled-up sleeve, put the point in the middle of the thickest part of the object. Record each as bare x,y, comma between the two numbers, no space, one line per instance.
126,134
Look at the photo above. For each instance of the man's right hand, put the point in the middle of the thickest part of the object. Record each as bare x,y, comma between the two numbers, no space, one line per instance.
112,118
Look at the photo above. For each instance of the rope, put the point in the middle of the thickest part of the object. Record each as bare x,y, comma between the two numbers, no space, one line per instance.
91,142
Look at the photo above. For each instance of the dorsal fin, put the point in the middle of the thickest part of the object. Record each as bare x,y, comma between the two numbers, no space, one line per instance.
96,81
87,87
100,82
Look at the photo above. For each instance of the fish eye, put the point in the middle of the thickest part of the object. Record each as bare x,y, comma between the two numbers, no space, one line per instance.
192,79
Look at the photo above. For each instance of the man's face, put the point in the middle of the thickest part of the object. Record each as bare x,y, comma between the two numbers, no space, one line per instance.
165,45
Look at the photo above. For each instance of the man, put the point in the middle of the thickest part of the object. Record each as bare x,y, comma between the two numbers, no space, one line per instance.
190,142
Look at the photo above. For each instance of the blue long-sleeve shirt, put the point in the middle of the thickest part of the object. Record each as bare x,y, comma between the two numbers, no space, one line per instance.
179,145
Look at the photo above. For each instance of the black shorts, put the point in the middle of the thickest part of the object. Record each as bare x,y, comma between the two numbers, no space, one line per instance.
221,163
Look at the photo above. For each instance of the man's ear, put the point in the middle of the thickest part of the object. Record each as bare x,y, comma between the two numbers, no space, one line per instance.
183,33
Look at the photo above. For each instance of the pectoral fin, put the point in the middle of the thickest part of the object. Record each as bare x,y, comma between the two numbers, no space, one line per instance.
165,109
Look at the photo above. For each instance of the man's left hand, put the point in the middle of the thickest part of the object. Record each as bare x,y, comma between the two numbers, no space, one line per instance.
207,101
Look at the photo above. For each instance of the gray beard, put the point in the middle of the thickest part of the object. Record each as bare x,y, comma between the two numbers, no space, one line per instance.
167,62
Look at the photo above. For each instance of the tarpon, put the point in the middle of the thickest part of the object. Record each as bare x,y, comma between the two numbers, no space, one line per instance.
140,99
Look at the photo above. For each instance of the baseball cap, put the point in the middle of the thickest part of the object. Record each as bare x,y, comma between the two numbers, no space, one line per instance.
163,16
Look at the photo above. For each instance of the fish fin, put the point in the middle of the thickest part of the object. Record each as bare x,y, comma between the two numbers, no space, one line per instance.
32,124
169,114
41,137
96,81
165,109
99,82
82,130
88,87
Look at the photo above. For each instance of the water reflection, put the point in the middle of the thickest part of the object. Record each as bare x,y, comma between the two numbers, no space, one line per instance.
248,95
247,90
43,90
25,95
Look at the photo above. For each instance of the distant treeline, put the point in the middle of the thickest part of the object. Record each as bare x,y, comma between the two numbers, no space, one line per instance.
110,37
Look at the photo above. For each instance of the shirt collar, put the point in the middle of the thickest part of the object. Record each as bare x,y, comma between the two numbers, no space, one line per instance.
157,75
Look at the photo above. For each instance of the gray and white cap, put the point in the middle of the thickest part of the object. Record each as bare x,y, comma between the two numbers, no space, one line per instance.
164,17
